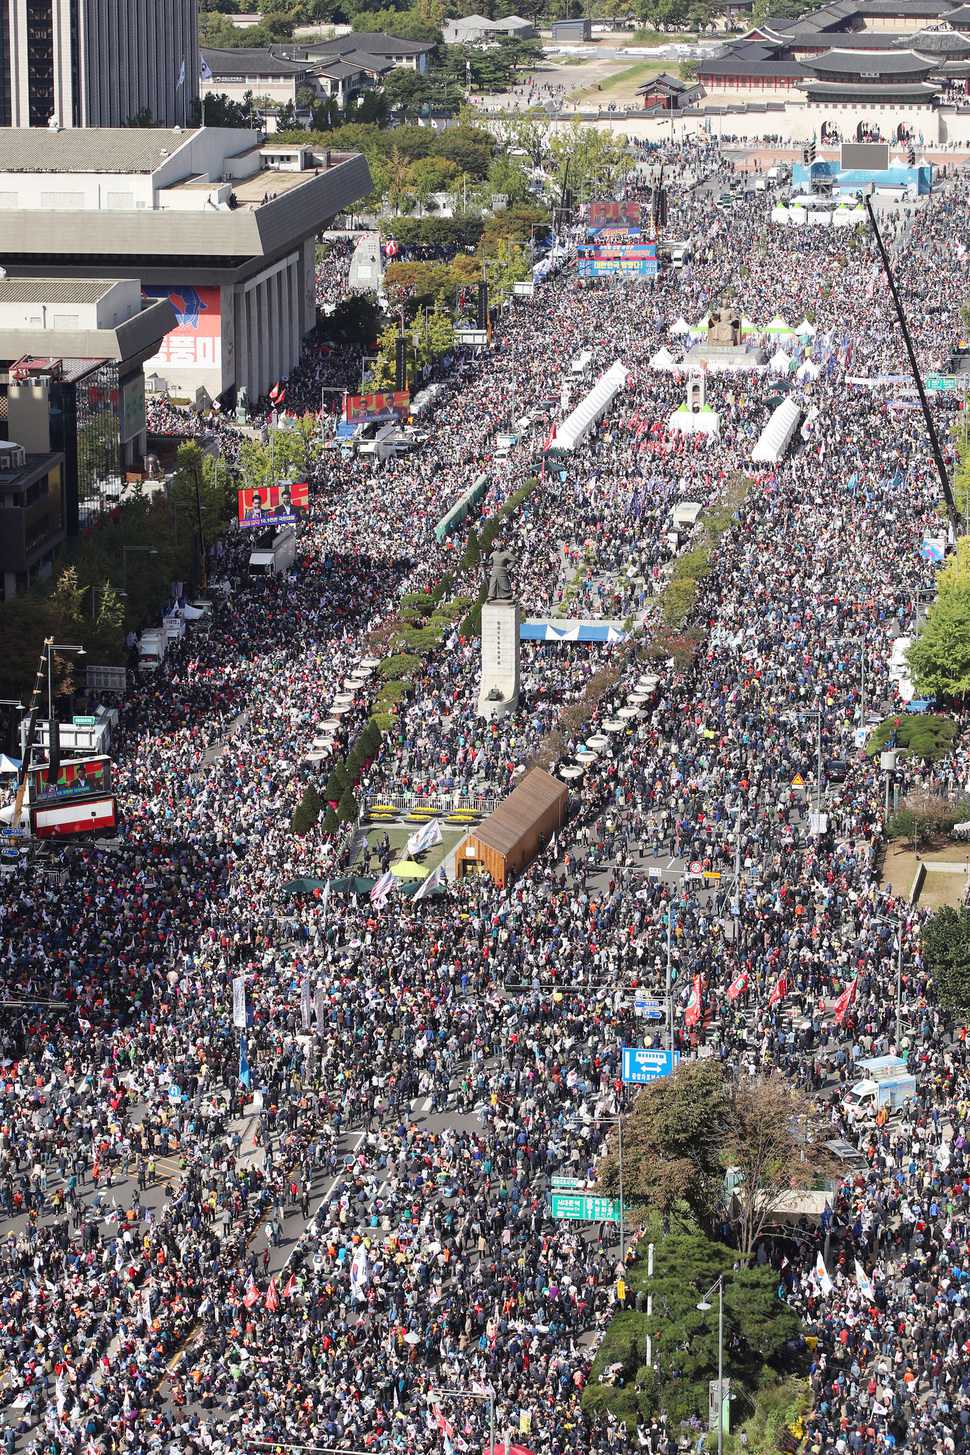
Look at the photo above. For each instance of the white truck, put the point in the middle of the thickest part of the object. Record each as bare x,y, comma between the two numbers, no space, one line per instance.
274,556
152,646
885,1082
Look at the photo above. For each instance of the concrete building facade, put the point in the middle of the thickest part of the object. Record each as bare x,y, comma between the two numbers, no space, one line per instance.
77,63
208,220
72,355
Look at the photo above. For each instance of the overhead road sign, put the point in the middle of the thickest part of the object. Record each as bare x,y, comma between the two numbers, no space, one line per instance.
582,1208
642,1065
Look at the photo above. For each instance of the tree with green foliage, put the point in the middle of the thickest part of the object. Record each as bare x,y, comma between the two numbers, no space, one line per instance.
354,321
287,454
586,161
67,602
673,1141
775,1140
758,1332
526,131
939,658
926,737
347,810
946,949
307,812
107,643
924,816
336,783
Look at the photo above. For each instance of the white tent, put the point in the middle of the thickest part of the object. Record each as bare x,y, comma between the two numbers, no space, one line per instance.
8,765
780,214
588,411
847,216
777,433
701,326
778,325
779,363
808,370
680,327
747,327
797,215
663,359
805,329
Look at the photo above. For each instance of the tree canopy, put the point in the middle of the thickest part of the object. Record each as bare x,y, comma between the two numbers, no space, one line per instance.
946,946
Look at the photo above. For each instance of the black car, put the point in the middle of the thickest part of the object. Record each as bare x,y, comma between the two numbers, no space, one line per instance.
836,769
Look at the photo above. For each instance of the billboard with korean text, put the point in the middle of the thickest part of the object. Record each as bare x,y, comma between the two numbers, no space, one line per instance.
196,341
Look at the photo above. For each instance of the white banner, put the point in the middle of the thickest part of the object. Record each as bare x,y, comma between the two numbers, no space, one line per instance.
239,1002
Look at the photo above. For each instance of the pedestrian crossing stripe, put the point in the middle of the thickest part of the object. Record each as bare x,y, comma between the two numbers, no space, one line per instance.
798,781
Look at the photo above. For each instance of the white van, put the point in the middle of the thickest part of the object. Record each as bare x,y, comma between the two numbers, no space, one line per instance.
581,364
152,647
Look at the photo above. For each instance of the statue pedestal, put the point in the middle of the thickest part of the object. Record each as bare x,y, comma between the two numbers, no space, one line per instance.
499,689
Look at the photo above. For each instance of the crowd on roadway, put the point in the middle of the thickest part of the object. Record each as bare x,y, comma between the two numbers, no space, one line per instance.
186,1266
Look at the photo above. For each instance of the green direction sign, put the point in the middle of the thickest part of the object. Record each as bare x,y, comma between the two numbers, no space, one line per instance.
940,383
581,1208
84,721
569,1184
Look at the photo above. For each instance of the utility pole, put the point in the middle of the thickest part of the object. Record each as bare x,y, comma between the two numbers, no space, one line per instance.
818,762
941,469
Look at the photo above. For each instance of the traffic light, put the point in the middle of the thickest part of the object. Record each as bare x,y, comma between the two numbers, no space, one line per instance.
483,305
401,362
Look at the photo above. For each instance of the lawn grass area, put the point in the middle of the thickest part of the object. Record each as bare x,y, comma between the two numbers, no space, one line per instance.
627,79
899,867
399,835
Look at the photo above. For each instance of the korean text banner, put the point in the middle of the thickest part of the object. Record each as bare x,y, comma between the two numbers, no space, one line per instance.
272,504
196,341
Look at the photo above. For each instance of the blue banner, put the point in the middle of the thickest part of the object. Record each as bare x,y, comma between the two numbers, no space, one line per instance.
245,1079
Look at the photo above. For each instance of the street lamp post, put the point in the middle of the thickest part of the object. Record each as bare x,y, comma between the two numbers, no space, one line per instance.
900,924
617,1121
704,1307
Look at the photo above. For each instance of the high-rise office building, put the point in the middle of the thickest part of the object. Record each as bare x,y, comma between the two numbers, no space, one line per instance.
98,62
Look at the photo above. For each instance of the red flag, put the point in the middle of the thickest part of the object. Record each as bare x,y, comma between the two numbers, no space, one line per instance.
843,1003
779,990
693,1012
290,1288
251,1295
738,985
272,1296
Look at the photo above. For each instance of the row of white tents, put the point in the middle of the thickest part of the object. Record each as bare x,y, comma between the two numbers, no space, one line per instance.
798,215
779,363
777,328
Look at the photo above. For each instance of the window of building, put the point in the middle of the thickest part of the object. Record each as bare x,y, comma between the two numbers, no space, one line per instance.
63,201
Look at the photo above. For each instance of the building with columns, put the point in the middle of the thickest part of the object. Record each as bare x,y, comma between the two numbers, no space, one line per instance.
98,62
214,220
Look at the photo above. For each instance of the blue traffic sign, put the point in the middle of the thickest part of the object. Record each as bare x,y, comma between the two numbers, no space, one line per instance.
641,1065
650,1007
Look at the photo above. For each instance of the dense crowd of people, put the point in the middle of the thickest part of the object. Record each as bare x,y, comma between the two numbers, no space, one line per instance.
300,1229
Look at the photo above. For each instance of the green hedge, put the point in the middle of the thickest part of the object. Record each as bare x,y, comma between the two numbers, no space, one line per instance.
929,738
400,667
